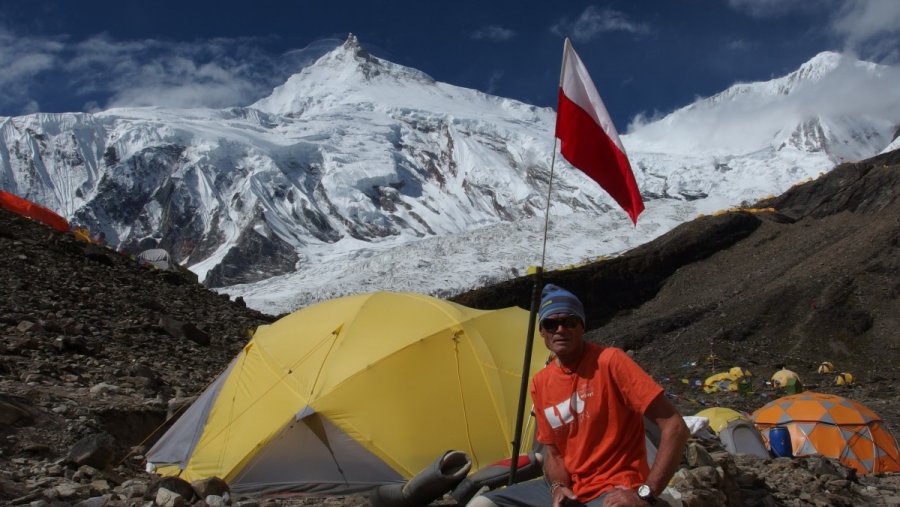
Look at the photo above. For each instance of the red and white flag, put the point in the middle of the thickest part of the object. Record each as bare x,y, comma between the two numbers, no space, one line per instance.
588,138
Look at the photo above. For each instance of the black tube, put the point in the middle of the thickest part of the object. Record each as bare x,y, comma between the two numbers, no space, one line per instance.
526,369
428,485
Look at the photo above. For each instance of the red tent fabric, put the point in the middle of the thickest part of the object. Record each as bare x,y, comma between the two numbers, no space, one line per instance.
24,207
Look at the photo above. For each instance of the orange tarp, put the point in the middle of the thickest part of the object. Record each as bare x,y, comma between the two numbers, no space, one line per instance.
833,426
34,211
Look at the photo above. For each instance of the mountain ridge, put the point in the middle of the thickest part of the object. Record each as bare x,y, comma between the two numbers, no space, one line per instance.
308,193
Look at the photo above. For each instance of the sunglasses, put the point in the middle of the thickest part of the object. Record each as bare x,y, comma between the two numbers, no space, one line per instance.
568,322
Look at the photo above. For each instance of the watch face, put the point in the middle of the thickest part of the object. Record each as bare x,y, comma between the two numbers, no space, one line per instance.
644,491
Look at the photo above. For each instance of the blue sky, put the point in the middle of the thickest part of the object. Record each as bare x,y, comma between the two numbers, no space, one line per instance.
647,57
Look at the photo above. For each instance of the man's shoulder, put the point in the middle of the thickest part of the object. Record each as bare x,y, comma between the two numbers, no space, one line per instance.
547,369
597,350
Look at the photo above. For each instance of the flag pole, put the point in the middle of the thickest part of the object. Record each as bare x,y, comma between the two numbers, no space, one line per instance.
535,303
589,141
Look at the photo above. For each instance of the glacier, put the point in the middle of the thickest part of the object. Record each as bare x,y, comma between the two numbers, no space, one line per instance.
358,174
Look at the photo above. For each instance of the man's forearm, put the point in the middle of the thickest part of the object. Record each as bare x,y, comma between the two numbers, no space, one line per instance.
674,436
554,467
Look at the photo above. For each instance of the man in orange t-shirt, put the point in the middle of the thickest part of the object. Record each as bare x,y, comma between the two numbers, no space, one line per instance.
590,402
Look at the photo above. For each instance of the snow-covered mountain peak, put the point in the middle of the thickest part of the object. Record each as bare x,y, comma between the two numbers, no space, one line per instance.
816,67
352,57
825,69
827,99
359,174
348,74
821,70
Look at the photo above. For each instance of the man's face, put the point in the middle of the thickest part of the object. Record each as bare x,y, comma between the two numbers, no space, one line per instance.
562,334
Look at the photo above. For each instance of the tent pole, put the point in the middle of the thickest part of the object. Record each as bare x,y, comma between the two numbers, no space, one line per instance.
526,367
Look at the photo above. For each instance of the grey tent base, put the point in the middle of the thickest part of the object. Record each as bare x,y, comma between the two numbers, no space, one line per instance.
427,486
742,437
312,455
177,444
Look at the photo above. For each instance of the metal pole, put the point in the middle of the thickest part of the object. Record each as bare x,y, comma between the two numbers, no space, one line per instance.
535,303
526,367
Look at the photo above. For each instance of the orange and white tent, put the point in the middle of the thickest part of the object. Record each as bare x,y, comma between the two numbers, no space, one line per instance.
832,426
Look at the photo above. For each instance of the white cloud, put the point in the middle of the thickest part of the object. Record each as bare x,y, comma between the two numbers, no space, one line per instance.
143,73
766,8
22,59
26,65
180,82
594,21
30,106
494,80
493,32
111,73
869,23
869,27
642,119
739,45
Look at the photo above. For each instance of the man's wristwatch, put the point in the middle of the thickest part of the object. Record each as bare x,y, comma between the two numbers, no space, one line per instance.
646,494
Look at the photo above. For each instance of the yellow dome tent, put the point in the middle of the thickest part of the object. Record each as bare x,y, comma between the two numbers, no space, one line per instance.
787,380
719,417
833,426
738,372
843,379
720,382
826,367
726,380
356,392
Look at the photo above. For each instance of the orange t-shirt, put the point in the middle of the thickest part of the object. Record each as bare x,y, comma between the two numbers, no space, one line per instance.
594,417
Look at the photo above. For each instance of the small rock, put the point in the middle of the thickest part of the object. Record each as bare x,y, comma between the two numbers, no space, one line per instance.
97,501
166,498
67,490
210,486
215,501
697,456
103,388
95,451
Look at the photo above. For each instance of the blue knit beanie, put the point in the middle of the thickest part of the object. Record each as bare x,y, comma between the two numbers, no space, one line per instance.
558,300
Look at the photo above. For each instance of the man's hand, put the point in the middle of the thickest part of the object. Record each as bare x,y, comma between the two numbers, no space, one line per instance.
561,495
556,474
623,497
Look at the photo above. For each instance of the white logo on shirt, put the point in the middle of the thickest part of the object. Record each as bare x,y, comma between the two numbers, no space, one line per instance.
565,411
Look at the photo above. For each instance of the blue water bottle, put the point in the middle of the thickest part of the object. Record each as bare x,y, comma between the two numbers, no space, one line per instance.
780,442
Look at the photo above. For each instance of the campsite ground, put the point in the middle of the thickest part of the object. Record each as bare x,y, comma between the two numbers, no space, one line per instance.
91,342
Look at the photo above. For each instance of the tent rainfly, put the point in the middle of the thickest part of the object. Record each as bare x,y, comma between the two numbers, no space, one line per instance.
353,393
833,426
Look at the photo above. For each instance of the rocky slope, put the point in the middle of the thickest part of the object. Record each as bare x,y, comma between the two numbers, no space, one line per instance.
809,276
92,344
